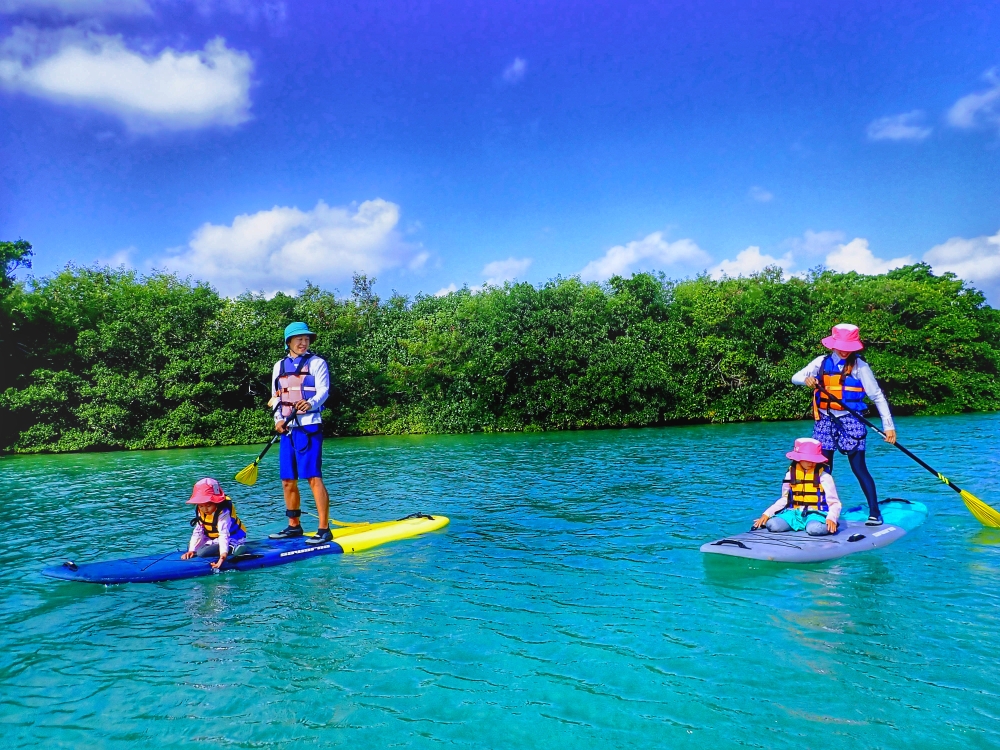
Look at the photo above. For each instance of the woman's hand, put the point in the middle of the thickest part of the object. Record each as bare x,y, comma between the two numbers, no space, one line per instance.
218,563
812,382
890,437
760,521
831,526
187,555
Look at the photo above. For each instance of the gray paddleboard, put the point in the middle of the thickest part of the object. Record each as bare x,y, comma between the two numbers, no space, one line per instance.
799,547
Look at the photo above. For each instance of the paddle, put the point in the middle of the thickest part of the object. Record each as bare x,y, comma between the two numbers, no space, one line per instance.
986,515
248,476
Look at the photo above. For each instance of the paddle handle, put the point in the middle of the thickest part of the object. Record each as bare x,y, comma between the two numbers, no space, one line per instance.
905,450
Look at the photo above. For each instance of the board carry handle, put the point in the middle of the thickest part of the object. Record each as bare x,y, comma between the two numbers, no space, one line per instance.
730,542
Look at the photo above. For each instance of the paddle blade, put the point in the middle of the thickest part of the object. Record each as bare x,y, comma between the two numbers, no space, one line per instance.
248,475
986,515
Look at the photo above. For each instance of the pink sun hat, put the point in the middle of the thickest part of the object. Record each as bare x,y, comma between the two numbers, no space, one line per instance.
845,337
807,449
207,490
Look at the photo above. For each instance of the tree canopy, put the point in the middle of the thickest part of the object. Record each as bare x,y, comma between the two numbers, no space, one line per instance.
99,358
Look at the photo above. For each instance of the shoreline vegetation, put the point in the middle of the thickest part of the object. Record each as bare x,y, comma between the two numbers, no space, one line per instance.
107,359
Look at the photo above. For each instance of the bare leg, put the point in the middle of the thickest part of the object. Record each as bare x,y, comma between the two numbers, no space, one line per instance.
293,500
322,500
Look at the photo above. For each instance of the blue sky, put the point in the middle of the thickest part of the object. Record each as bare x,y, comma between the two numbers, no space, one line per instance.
439,144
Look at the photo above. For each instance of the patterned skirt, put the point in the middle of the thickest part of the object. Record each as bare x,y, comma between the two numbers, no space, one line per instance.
846,433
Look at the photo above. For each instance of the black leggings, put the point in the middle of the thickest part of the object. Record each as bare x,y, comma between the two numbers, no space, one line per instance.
860,469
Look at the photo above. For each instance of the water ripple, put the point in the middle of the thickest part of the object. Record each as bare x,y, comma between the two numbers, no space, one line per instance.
566,604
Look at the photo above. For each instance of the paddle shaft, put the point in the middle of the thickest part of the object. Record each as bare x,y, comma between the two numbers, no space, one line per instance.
905,450
276,438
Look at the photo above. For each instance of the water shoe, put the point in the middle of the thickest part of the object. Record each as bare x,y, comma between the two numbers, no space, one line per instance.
322,535
874,521
289,532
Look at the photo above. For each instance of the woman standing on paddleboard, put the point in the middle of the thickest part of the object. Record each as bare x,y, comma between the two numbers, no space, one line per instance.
301,385
847,377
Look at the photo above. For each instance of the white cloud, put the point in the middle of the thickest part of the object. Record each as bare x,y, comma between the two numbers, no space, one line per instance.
279,249
908,126
856,256
761,195
827,248
748,262
445,291
169,91
976,260
979,109
120,259
643,254
419,260
499,271
76,8
514,72
815,245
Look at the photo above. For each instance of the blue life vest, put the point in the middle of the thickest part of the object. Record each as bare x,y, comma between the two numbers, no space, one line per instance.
842,384
294,383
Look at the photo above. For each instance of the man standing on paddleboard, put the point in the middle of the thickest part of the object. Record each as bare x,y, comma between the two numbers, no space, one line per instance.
301,384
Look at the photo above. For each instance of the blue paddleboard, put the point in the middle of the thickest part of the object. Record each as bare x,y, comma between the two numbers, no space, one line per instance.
264,553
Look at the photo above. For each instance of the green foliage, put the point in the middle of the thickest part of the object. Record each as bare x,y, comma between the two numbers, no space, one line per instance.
104,359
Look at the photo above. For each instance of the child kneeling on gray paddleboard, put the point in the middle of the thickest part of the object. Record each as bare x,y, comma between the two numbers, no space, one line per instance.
809,497
217,530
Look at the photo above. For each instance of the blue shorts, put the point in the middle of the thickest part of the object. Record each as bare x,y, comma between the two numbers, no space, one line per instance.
301,452
795,518
846,433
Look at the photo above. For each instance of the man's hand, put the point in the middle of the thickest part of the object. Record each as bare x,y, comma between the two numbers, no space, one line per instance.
812,382
218,563
302,406
279,427
890,437
831,526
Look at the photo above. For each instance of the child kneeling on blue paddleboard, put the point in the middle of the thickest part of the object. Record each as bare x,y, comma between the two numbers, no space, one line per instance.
217,529
809,497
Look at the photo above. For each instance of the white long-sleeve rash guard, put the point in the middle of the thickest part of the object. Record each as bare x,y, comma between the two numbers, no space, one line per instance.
863,373
200,539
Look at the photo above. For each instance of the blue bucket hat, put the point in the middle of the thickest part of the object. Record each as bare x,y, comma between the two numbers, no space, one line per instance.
298,329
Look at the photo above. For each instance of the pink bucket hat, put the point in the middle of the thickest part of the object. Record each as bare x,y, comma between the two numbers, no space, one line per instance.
845,337
207,490
807,449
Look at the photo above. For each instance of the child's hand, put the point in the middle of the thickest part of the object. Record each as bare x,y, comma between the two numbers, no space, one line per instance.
187,555
760,521
831,526
218,563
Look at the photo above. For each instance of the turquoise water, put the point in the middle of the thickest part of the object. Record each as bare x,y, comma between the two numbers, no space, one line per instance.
566,604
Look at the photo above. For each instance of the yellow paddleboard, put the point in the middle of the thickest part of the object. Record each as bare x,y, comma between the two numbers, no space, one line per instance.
360,538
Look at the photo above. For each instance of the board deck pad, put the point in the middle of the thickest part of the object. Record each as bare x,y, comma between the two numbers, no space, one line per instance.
899,517
263,553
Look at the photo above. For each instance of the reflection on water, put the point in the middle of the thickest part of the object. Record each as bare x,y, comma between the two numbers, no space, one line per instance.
566,605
